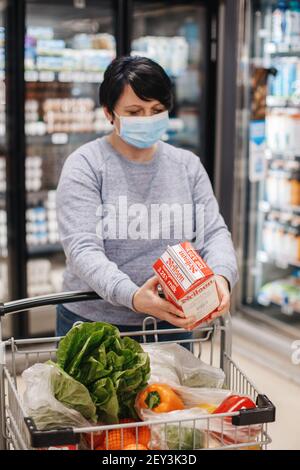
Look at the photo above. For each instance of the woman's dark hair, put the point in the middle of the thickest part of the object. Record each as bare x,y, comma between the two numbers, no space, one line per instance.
148,80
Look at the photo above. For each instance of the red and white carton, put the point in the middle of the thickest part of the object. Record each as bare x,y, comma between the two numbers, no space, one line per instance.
187,282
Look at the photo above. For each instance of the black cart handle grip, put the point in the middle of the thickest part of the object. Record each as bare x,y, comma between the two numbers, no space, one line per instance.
22,305
264,412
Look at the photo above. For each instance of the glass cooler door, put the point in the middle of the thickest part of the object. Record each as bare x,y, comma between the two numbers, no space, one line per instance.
68,45
271,275
174,35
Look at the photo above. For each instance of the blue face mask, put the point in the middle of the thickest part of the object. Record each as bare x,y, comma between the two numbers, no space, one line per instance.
143,132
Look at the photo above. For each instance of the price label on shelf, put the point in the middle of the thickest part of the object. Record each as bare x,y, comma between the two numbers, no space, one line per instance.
46,76
65,77
59,138
31,76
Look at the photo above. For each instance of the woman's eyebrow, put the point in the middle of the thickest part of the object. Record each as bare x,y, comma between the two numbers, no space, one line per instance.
133,106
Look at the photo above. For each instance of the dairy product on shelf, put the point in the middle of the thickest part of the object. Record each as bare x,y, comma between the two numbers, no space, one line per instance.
41,223
44,277
33,173
283,131
281,238
170,52
2,175
3,233
283,184
283,292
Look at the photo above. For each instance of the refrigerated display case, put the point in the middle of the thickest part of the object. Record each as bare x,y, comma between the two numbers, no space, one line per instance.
176,37
268,167
57,53
67,48
3,157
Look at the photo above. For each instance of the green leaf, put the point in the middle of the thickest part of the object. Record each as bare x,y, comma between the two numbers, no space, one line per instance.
72,393
114,369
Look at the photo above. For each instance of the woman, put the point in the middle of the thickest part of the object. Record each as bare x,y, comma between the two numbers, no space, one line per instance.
108,194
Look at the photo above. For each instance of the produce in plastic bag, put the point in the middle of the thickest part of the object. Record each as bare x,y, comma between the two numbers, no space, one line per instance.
195,429
173,364
54,399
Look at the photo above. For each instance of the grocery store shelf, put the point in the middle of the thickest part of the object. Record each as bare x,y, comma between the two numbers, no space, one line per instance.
263,257
62,138
63,77
282,102
34,196
281,50
265,206
285,309
44,249
288,155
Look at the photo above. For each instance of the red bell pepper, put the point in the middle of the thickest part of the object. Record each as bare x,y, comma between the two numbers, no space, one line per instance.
235,403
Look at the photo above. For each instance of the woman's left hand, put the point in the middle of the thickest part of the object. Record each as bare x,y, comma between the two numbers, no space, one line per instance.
224,296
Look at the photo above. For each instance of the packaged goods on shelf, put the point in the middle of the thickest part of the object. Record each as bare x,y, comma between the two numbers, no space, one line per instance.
94,41
44,277
2,175
283,130
286,82
3,233
3,281
41,222
33,167
170,52
35,128
283,292
50,46
283,184
69,115
40,32
281,237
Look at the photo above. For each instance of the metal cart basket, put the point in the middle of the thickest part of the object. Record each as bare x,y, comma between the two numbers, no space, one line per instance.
18,431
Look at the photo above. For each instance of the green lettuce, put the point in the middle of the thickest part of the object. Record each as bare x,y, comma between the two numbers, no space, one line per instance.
72,393
112,368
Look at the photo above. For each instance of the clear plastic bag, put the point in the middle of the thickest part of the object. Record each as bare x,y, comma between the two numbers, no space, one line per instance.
175,365
187,431
40,402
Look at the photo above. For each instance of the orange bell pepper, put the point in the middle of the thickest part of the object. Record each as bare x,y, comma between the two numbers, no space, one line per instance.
159,398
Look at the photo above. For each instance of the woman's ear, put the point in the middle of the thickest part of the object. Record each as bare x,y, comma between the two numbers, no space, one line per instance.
108,115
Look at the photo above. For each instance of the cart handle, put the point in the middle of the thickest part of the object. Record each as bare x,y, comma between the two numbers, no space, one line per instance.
22,305
264,412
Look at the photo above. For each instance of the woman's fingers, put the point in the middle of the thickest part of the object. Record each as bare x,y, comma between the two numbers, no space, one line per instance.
224,302
152,283
185,323
223,294
168,307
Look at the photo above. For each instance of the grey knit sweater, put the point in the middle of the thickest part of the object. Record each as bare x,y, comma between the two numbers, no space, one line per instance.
116,217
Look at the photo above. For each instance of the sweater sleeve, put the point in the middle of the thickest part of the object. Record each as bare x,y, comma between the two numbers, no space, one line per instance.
78,203
213,239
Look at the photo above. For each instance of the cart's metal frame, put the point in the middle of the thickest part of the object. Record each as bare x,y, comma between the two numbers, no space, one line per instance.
19,431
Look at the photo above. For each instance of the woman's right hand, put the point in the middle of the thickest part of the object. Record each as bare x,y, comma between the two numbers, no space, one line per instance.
147,300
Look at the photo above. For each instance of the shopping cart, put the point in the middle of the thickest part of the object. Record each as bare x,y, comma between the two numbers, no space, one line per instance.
18,431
